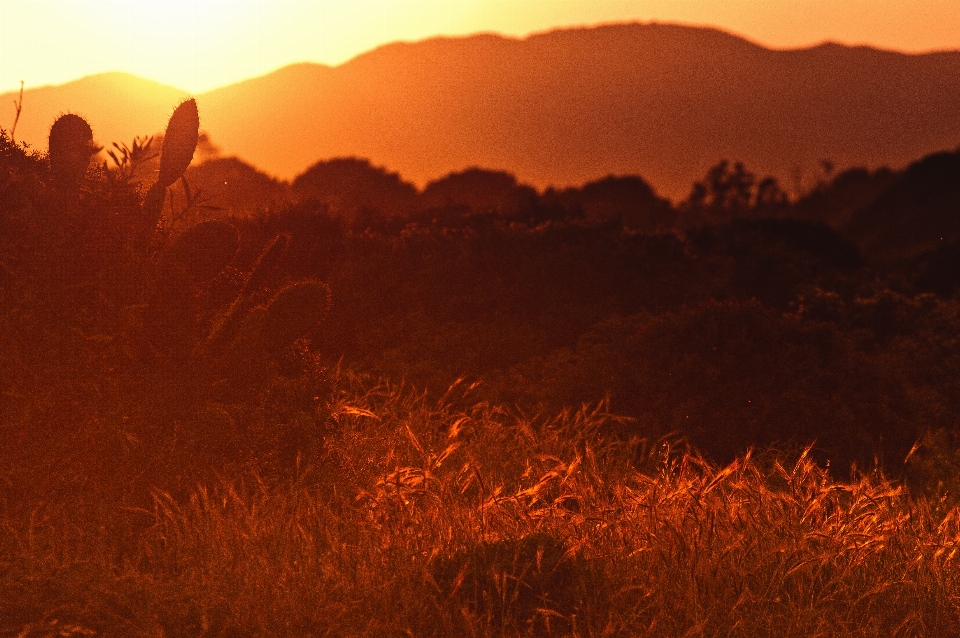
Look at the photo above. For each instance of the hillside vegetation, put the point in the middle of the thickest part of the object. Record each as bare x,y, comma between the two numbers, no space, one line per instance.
348,406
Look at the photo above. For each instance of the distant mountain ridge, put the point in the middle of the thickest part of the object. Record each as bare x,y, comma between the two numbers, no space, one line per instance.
117,105
568,106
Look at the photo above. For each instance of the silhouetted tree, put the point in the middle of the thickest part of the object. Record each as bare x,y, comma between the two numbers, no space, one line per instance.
914,215
236,187
627,199
835,202
730,192
480,191
348,185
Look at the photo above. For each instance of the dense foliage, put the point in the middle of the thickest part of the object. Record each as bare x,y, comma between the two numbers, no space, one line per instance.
746,320
181,432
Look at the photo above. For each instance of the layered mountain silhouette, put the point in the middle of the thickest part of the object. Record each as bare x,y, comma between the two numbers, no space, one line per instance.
117,105
559,108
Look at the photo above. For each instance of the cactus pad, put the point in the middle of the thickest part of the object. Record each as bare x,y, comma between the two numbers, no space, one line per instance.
71,146
179,142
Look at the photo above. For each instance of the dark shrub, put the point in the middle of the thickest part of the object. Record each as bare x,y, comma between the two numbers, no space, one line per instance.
732,375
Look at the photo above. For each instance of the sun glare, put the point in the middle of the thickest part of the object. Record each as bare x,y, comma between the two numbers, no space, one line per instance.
188,44
160,16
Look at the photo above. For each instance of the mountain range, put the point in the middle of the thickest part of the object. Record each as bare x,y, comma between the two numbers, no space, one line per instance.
559,108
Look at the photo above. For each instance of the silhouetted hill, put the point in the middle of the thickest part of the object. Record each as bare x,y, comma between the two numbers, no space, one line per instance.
118,106
569,106
565,107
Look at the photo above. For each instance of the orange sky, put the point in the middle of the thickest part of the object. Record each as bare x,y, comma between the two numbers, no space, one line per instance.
198,45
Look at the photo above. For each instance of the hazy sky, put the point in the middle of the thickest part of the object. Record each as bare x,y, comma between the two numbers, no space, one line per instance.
197,45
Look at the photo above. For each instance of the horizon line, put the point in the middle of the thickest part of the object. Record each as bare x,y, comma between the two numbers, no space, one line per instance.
505,36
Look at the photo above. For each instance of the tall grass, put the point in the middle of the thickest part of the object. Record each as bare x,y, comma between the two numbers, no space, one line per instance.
458,518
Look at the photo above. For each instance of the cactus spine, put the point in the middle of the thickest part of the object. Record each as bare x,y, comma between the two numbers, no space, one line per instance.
266,263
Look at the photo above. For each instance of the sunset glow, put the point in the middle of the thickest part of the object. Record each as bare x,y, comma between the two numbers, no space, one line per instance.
444,318
197,45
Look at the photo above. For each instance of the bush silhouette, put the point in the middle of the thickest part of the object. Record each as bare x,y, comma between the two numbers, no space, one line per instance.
772,260
480,191
236,188
836,202
629,200
734,375
349,185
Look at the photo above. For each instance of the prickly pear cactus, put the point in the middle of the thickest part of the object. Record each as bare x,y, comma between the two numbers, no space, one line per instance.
174,276
191,357
70,147
179,142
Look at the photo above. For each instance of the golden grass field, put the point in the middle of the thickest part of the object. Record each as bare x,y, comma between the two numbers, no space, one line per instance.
457,518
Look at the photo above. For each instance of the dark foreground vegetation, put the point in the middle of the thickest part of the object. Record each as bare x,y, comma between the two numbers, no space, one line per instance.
351,407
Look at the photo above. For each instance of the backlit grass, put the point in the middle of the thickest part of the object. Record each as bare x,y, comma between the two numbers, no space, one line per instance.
458,518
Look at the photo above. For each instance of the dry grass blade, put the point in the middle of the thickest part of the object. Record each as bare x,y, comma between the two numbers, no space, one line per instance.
554,537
